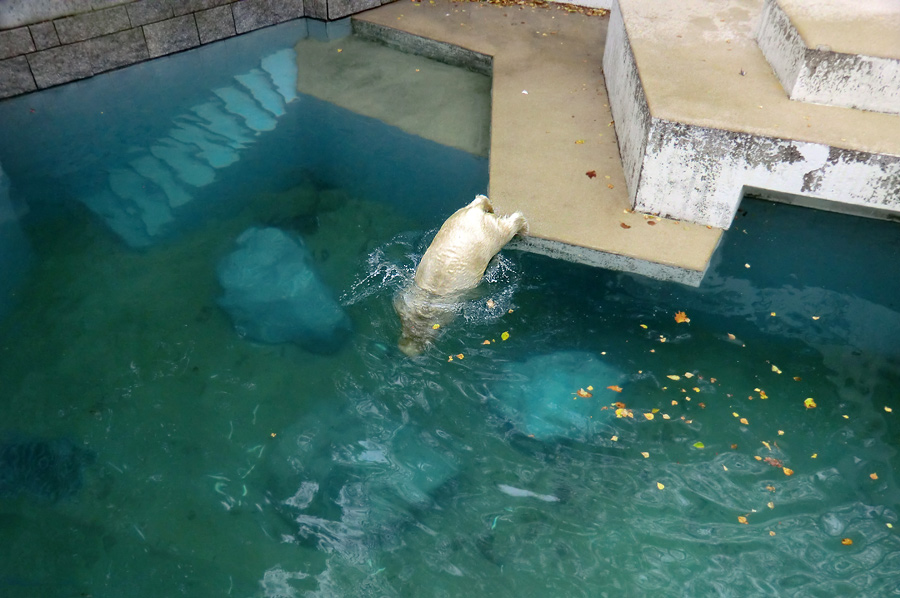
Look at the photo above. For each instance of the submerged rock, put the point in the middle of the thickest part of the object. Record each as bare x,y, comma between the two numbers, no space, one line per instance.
541,398
274,295
49,470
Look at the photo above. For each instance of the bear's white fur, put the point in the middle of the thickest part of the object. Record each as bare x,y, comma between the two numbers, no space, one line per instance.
453,264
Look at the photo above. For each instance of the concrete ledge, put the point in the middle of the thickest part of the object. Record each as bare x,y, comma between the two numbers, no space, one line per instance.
610,261
821,75
553,151
423,46
702,119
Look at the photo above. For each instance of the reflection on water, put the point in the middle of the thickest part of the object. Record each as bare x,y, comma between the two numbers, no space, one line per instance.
566,436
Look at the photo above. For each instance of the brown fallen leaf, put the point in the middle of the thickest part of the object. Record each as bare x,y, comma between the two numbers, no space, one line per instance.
615,388
623,225
591,174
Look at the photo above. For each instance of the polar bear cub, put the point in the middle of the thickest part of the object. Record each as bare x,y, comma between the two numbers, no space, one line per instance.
453,264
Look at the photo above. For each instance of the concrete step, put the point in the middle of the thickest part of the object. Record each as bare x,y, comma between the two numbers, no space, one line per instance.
553,151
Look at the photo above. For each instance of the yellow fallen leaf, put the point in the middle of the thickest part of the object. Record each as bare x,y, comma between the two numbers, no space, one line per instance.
615,438
590,387
688,375
435,326
814,456
888,409
846,541
735,413
810,403
815,317
644,326
873,475
770,504
742,519
660,485
763,395
490,303
674,402
673,377
615,388
772,314
744,421
775,369
646,455
666,416
788,471
771,533
504,336
460,356
579,141
681,317
486,342
648,415
731,336
781,432
767,445
583,393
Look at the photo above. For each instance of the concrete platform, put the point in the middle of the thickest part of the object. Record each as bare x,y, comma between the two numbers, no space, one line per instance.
840,53
553,147
702,118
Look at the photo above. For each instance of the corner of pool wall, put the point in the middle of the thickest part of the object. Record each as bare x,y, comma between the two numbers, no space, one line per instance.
610,261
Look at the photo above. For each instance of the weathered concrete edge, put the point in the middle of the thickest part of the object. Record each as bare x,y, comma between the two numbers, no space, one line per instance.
609,261
627,102
821,76
423,46
698,174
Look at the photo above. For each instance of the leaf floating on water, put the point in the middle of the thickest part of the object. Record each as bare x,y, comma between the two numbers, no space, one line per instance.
846,541
644,326
435,326
888,409
873,475
460,356
731,337
646,455
698,445
680,317
673,377
504,336
744,421
486,342
649,416
615,388
660,485
583,393
810,403
775,369
742,519
788,471
490,303
797,378
591,174
774,462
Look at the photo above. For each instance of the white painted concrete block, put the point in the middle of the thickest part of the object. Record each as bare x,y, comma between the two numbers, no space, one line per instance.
181,159
822,76
220,122
261,87
239,103
282,67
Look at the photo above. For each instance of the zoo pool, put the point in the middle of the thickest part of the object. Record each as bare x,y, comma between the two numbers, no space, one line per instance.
149,448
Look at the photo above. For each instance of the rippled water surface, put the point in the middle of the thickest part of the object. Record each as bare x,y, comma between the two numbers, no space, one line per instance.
148,449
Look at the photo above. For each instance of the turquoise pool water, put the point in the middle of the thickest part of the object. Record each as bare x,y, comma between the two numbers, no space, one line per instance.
149,449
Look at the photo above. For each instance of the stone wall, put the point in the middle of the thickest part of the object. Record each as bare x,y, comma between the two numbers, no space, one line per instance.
50,42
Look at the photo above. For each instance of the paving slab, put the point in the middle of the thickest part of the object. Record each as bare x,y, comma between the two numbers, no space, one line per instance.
553,149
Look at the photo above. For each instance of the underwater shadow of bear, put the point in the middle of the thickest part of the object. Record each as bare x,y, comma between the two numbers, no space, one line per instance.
453,264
